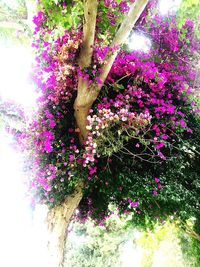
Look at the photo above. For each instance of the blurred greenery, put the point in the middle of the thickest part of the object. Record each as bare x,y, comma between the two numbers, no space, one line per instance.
14,24
189,9
117,245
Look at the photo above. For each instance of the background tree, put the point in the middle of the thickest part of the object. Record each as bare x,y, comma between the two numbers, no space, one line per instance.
117,244
189,9
113,125
15,21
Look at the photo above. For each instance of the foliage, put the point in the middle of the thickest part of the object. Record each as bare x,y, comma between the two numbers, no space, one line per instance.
100,246
142,149
13,11
190,248
116,243
14,27
189,9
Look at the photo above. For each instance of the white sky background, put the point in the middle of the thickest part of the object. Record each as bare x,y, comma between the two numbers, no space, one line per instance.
15,68
15,223
169,6
17,240
20,238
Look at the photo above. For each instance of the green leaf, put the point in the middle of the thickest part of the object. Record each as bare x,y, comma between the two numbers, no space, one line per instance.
120,87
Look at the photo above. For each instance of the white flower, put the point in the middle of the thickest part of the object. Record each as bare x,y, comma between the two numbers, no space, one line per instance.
88,127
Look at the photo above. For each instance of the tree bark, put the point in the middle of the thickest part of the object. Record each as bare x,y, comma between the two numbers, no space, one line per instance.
58,220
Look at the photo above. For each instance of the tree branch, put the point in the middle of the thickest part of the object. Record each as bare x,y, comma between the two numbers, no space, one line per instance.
85,58
90,14
122,34
83,100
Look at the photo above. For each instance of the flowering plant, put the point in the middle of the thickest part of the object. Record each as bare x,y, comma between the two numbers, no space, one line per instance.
139,116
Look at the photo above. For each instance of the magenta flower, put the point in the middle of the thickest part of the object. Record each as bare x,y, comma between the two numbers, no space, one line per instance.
52,124
92,170
71,158
160,145
155,193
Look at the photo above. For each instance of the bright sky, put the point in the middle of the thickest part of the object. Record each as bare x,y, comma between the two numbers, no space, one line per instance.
18,234
168,6
16,230
15,68
140,42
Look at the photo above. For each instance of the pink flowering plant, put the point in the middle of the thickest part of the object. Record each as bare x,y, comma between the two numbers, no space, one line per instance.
141,119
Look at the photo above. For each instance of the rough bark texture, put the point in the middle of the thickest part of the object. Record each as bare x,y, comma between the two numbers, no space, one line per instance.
58,220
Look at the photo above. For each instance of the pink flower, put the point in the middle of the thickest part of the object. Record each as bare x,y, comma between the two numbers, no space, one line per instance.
52,124
52,199
160,145
182,123
70,130
155,192
189,131
92,170
136,203
161,156
164,136
71,158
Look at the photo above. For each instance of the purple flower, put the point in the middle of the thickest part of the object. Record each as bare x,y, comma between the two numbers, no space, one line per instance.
155,193
71,158
160,145
52,124
182,123
92,170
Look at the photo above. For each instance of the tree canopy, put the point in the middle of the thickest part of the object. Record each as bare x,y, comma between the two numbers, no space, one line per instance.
122,124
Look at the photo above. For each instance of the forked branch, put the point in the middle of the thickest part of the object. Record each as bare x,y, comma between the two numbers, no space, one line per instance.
121,36
86,94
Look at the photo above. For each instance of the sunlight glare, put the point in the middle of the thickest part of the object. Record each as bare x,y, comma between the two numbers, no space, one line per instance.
131,255
139,42
78,240
169,6
15,226
15,68
23,235
21,242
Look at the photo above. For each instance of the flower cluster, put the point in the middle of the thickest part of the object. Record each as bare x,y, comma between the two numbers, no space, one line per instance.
101,127
57,59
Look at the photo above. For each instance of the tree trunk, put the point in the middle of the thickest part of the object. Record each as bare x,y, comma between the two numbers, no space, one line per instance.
58,220
81,114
